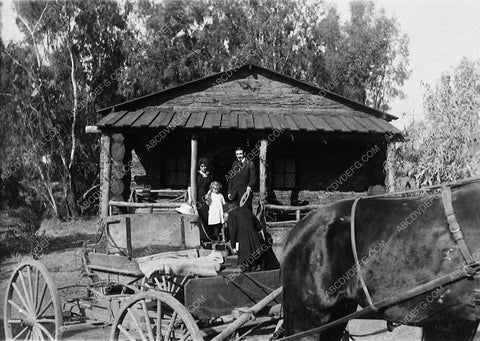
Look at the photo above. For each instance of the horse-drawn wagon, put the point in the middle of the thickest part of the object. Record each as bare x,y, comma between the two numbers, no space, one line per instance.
149,280
152,281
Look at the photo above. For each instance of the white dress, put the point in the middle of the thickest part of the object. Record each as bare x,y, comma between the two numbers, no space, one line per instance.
215,211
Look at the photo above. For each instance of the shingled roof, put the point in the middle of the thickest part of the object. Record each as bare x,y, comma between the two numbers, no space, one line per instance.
250,97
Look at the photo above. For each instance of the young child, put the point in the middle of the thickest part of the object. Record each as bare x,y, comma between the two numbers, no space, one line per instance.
216,201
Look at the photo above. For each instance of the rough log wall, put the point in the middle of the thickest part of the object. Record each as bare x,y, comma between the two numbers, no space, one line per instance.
270,95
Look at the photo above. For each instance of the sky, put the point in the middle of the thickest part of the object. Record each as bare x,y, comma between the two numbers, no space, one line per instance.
441,33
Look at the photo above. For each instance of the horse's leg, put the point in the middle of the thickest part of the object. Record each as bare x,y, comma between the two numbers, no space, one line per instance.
339,311
304,320
300,319
449,331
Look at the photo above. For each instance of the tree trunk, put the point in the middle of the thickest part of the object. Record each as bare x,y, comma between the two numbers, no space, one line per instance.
69,191
69,183
48,187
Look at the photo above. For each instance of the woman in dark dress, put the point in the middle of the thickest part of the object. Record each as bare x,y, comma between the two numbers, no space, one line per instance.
243,228
204,178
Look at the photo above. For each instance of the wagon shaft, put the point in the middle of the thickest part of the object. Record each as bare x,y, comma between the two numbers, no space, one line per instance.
247,315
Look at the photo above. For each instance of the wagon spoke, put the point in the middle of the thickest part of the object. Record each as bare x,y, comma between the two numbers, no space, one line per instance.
156,283
30,286
169,284
42,328
147,320
137,324
182,282
175,285
37,279
159,320
160,287
27,295
164,283
187,334
170,325
184,331
23,311
46,321
20,296
126,333
45,309
28,334
35,336
39,332
19,334
41,299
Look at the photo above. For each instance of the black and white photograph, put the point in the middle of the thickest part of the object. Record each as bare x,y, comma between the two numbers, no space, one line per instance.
227,170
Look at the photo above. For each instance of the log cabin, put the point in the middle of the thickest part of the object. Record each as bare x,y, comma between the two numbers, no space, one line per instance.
309,145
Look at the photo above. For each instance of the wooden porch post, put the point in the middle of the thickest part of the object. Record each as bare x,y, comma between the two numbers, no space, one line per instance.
118,172
263,170
105,159
193,169
390,172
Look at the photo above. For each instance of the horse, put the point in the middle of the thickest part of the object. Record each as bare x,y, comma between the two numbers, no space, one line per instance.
399,243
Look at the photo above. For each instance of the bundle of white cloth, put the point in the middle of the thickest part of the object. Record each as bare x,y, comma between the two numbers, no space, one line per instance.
184,263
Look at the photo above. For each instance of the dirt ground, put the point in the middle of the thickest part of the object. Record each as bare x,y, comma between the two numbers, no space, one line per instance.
65,266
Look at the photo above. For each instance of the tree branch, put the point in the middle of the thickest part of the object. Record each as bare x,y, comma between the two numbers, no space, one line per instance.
75,105
40,19
19,64
32,34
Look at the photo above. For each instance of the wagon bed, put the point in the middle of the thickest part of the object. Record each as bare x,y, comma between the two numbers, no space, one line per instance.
121,295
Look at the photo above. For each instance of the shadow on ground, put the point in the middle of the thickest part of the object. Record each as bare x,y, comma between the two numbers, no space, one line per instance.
41,244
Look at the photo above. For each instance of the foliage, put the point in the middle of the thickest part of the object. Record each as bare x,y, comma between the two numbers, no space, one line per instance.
375,41
364,59
445,146
49,86
76,56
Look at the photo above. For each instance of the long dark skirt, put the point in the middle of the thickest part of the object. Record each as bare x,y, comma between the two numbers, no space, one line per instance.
203,214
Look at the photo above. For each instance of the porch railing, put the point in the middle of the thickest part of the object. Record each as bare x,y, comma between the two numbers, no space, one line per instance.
286,208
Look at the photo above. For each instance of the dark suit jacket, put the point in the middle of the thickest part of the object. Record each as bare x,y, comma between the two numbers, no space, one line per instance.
243,176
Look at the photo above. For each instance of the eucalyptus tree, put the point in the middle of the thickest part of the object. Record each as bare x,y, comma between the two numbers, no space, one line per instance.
52,78
172,42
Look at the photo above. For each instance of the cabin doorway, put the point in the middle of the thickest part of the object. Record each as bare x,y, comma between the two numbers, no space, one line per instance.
219,149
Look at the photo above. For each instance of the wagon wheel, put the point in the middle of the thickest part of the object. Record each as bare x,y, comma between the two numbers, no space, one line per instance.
172,284
32,305
154,315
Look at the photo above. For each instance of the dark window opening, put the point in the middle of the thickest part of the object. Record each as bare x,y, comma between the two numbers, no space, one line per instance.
284,173
176,171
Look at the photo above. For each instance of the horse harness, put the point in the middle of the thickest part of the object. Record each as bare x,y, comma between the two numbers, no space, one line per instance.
469,270
453,225
471,267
